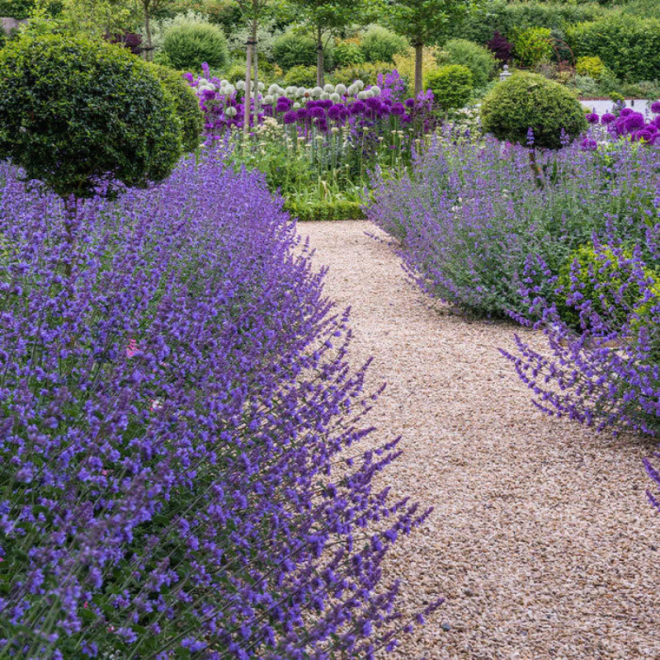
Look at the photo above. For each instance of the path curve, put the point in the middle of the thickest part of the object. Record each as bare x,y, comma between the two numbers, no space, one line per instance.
541,540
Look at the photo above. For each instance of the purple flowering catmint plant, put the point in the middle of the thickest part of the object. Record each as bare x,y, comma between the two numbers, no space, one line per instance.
175,402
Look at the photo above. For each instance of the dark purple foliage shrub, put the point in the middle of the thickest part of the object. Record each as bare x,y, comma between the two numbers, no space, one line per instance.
174,401
129,40
501,48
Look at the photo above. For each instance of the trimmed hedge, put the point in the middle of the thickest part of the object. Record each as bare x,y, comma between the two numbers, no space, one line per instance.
189,46
381,45
81,115
478,59
451,85
527,100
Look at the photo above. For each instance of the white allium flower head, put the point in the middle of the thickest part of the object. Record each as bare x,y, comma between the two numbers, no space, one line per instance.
272,89
359,83
324,96
230,112
224,82
329,88
230,89
268,99
335,97
202,81
300,92
317,91
352,90
340,89
376,90
296,106
240,85
362,95
261,86
290,91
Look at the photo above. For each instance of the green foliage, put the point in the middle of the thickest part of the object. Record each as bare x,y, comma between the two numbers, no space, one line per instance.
451,85
532,45
76,113
426,21
189,46
590,66
479,60
159,28
340,209
627,45
186,106
21,9
367,73
381,45
527,100
293,49
301,76
348,53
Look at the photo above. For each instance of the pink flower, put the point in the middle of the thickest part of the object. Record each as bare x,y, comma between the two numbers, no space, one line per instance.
132,348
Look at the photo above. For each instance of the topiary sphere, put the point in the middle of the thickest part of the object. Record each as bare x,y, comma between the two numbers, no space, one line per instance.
186,106
189,46
83,116
527,100
451,85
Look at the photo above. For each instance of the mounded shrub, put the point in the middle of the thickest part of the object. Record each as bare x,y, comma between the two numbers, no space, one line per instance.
478,59
368,73
529,101
532,45
501,47
451,85
293,49
348,53
186,106
301,76
628,45
191,45
591,66
78,114
381,45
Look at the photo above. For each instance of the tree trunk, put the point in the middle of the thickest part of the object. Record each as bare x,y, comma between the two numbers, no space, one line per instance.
148,52
320,64
255,55
419,53
248,79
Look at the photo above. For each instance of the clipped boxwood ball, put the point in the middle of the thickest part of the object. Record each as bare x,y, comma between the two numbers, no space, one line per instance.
78,114
527,100
186,106
189,46
451,85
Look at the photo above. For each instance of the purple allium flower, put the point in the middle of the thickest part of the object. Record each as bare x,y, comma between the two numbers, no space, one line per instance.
398,109
290,117
592,118
335,111
607,118
643,135
655,107
357,108
317,112
634,121
626,112
303,113
410,103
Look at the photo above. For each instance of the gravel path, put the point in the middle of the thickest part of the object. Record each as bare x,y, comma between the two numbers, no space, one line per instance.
541,541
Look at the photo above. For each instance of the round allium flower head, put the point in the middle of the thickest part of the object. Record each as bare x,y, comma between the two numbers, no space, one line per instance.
290,117
362,95
607,118
652,128
635,121
303,113
329,89
325,103
322,124
317,91
655,107
240,85
261,86
341,89
268,99
593,118
335,111
345,112
335,97
357,108
626,111
375,90
643,136
317,112
398,109
231,112
373,103
410,103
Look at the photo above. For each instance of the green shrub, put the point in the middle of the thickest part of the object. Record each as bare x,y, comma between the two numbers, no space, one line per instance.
451,85
590,66
532,45
76,113
585,85
348,53
527,100
189,46
301,76
341,209
293,49
235,73
478,59
381,45
22,9
186,106
627,45
367,73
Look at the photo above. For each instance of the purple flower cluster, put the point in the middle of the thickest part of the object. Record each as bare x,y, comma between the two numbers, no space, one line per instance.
631,124
174,400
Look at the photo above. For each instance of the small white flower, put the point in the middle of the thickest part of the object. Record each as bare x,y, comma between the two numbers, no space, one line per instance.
268,100
335,97
362,95
375,90
340,89
240,85
261,86
324,96
296,106
317,91
230,112
329,88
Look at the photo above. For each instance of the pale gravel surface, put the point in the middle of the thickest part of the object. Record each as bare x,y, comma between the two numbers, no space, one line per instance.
541,541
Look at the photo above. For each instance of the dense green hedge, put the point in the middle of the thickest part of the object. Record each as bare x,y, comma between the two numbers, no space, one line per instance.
478,59
527,100
451,85
188,46
77,114
627,45
293,49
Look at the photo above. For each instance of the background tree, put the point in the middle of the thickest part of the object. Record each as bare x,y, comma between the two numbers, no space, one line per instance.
425,22
326,17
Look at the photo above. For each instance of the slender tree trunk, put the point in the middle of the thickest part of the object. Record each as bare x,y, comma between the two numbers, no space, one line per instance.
248,78
419,54
148,53
320,64
255,56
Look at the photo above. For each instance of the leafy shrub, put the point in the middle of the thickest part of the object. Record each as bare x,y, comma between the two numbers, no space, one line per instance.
451,85
186,106
292,49
627,45
78,114
405,63
348,53
501,48
22,9
478,59
381,45
190,46
159,28
334,210
173,429
301,76
585,86
528,101
590,66
368,73
235,72
532,45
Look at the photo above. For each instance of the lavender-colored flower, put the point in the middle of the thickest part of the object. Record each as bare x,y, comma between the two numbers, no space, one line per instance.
397,109
655,107
588,144
410,103
335,111
317,113
634,121
357,108
593,118
290,117
607,118
625,112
